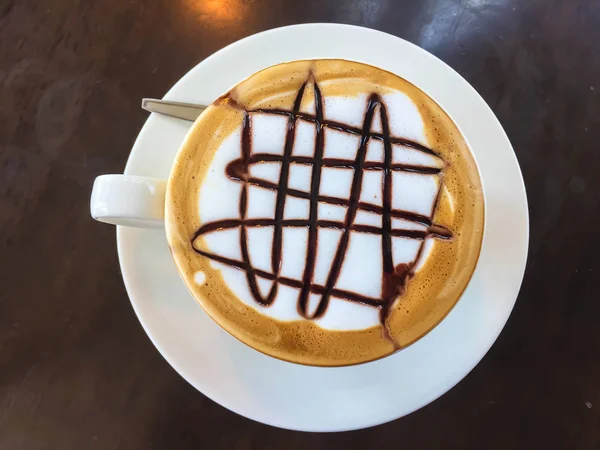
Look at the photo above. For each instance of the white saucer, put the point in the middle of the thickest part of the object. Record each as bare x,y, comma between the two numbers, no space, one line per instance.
329,399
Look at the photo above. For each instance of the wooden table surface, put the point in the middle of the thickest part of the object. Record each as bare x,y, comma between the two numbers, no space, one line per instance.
76,369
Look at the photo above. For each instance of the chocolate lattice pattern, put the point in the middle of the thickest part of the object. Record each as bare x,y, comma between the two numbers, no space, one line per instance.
394,277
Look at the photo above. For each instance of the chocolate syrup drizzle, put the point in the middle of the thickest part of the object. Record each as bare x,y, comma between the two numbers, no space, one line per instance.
394,278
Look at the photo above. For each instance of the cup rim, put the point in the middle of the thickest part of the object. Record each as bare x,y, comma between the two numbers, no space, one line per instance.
190,133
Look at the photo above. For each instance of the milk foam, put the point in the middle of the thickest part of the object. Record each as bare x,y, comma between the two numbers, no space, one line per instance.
361,271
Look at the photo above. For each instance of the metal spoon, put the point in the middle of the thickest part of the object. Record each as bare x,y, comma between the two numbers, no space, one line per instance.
185,111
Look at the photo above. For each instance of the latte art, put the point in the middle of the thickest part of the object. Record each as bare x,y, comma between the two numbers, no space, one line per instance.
325,212
371,149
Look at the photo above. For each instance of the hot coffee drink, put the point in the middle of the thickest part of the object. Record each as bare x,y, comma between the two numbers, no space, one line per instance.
325,212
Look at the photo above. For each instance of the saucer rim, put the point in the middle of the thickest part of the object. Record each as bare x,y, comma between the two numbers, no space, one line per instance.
518,269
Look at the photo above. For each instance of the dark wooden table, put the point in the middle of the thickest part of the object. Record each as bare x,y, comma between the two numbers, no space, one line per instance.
77,370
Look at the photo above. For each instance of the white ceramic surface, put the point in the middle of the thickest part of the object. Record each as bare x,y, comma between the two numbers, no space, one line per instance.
329,399
129,200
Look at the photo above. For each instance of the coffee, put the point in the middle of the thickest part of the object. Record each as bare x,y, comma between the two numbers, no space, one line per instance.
325,212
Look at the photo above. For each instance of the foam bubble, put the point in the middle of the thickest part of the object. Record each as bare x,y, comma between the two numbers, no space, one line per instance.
199,278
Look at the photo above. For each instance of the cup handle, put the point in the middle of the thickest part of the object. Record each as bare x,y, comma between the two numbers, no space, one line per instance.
129,200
